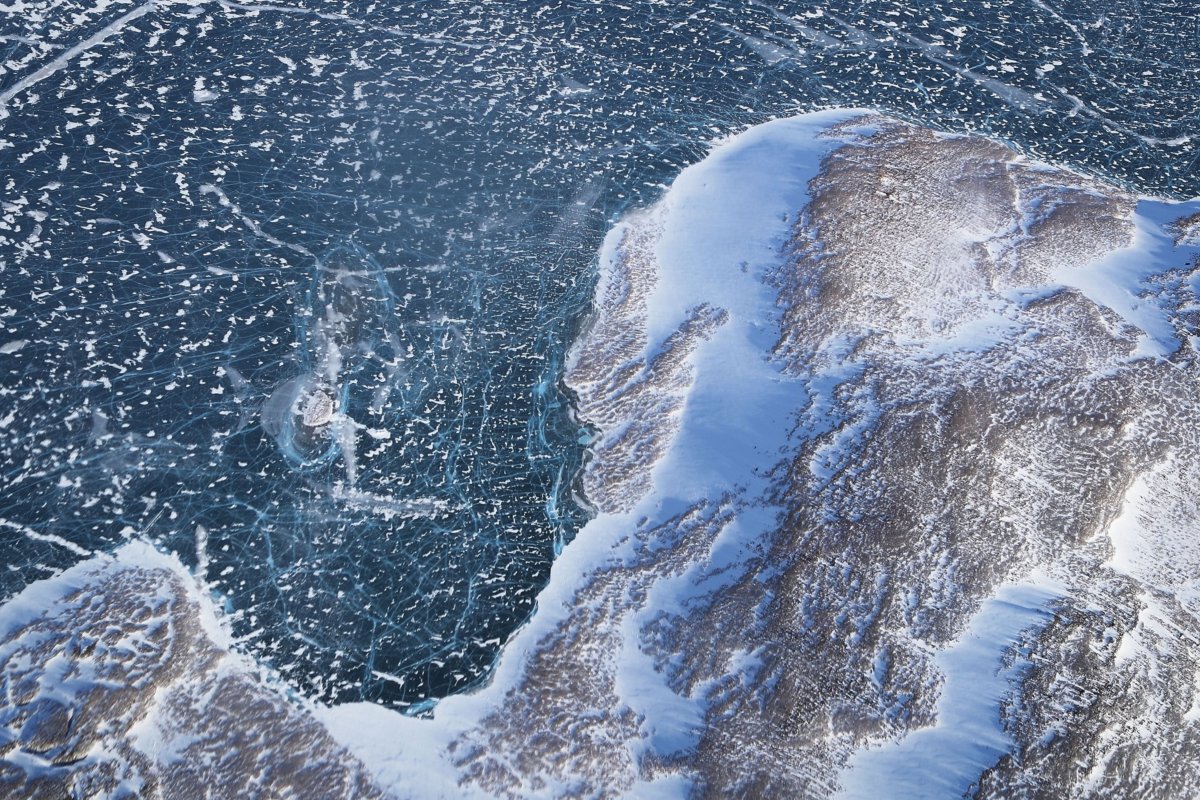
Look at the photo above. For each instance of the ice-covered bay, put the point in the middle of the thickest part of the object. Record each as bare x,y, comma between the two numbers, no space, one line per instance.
722,230
862,426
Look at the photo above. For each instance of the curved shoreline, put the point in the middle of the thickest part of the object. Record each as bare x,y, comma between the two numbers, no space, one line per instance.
856,386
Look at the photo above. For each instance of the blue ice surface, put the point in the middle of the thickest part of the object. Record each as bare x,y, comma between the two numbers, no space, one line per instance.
458,162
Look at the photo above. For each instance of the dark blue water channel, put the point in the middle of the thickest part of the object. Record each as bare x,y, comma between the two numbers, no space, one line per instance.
288,288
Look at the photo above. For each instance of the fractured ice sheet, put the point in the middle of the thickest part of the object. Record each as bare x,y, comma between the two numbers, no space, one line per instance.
174,173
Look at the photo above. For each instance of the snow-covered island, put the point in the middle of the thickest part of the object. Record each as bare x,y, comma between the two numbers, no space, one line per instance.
893,474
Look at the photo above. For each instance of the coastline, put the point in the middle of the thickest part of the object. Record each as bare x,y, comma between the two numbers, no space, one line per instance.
751,583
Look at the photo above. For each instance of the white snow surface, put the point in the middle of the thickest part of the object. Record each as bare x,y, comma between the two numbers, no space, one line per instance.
32,602
1116,282
943,760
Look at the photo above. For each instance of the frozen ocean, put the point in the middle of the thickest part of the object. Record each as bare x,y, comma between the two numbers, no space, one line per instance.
289,290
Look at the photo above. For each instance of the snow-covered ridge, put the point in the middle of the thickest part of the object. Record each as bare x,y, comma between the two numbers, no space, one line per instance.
118,681
889,434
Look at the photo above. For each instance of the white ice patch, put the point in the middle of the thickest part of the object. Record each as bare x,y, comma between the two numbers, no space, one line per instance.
944,759
1117,281
30,533
202,94
1155,548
